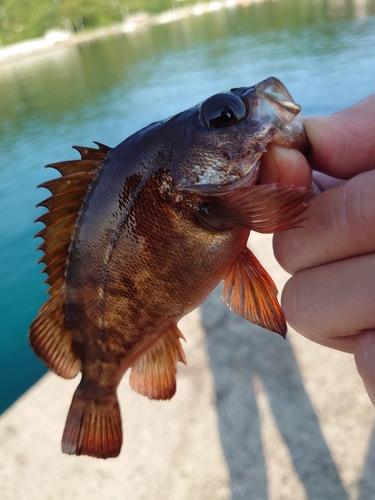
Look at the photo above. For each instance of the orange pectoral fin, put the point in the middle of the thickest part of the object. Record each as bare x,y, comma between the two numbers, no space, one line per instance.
250,292
263,208
154,373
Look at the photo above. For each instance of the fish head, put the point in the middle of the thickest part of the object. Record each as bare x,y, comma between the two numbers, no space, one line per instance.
224,137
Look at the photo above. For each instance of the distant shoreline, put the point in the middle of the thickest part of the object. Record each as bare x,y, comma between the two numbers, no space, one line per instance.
58,38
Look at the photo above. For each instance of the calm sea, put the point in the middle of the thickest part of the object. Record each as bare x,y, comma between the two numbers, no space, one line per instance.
324,51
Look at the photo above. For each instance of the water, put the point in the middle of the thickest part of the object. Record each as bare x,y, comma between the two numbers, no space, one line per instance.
322,50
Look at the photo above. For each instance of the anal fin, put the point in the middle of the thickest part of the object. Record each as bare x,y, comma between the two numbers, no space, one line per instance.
154,373
250,292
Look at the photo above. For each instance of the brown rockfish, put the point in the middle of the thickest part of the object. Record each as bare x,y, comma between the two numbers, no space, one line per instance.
137,236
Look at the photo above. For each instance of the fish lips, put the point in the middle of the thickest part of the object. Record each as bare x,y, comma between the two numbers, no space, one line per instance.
276,105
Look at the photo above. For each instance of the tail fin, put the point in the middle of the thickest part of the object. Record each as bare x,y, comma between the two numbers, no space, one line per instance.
93,427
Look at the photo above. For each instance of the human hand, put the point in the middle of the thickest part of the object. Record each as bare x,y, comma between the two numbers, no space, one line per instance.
330,298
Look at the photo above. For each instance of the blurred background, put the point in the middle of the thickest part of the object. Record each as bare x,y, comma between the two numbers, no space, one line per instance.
108,88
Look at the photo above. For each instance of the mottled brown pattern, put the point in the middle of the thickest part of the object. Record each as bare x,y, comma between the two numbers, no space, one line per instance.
139,235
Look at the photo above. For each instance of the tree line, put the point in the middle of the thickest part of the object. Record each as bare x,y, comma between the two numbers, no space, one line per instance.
25,19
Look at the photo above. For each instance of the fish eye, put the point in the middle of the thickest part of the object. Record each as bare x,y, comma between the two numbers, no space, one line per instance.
222,110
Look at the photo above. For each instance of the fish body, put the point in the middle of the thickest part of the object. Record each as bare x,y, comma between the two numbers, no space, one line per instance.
139,235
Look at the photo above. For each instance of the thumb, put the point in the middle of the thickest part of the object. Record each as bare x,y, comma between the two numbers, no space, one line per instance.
286,167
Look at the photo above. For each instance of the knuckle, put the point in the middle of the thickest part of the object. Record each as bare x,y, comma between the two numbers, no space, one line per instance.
358,207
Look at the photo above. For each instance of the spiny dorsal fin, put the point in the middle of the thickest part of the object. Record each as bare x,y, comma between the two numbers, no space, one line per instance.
154,373
49,336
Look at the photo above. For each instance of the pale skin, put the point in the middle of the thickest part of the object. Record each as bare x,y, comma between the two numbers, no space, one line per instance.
330,297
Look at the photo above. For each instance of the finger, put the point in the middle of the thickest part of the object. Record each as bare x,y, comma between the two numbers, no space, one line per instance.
338,224
342,145
324,182
332,304
287,167
365,360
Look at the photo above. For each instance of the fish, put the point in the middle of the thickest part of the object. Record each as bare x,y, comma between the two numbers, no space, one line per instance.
139,235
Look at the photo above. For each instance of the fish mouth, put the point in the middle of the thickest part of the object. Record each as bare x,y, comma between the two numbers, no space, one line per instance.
276,106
